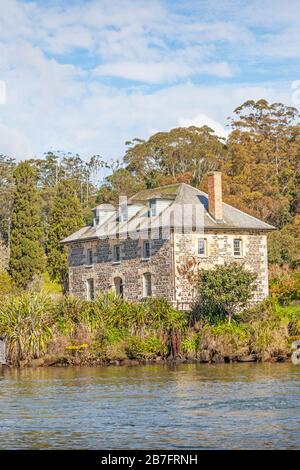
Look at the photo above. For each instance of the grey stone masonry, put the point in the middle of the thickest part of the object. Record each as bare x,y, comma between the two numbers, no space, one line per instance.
219,250
167,257
130,268
108,254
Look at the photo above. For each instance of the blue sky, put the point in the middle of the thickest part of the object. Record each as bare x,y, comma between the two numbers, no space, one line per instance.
85,76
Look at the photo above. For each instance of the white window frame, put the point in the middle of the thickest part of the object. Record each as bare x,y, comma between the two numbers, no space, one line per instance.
124,214
116,259
145,256
239,253
146,291
90,289
202,255
153,207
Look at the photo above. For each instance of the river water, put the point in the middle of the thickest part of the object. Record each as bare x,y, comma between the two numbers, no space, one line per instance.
238,406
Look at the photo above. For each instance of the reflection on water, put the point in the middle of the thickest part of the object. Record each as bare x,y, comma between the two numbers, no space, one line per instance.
180,407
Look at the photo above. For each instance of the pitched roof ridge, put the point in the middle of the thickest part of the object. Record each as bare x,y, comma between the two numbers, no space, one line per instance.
248,215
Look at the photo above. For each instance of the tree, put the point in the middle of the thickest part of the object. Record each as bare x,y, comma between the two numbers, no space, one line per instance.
193,150
223,291
264,160
284,244
120,183
27,258
7,166
65,218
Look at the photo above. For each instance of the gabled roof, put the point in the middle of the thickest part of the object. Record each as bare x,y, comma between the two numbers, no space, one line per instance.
179,193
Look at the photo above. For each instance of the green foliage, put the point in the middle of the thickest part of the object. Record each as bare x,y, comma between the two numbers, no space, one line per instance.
136,348
71,311
49,286
285,286
4,256
291,313
27,258
6,287
7,166
187,153
284,245
226,339
223,292
263,165
26,322
120,183
66,217
191,343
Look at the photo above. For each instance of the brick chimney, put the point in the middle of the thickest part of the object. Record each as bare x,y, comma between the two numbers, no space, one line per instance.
215,207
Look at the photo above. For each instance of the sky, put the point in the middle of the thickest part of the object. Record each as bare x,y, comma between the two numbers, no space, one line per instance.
86,76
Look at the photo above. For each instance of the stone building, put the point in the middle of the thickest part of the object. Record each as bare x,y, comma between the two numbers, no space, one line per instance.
148,244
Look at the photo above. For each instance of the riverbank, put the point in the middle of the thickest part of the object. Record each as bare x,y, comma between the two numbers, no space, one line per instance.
41,332
78,362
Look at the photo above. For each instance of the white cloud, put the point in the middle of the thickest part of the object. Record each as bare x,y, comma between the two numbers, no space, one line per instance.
203,120
14,143
62,64
161,72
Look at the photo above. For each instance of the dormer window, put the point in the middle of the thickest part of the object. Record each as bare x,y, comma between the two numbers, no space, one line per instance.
152,208
102,213
124,214
95,218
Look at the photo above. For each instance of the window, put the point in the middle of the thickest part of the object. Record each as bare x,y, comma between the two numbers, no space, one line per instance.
202,247
118,282
117,257
147,287
90,257
90,289
146,249
237,247
152,205
124,214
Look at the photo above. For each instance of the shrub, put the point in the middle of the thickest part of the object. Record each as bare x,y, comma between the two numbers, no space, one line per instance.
223,291
6,286
226,339
285,286
291,313
191,343
26,322
136,348
71,311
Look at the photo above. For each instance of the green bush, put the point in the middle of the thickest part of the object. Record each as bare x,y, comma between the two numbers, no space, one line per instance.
226,339
291,313
223,292
191,343
26,322
136,348
285,287
6,285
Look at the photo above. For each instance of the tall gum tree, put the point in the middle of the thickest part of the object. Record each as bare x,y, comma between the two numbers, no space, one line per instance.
66,217
27,258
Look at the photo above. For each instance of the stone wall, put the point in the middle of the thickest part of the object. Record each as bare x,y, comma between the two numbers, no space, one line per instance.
167,257
131,267
219,251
